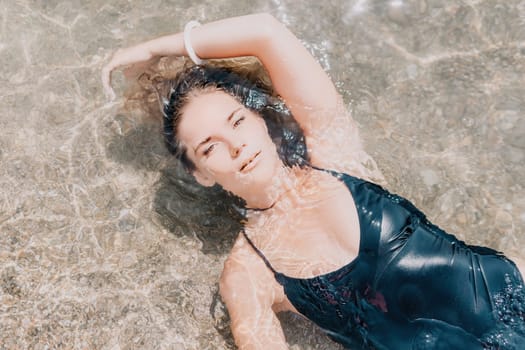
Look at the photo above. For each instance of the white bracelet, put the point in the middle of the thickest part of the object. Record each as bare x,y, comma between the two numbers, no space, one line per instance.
187,42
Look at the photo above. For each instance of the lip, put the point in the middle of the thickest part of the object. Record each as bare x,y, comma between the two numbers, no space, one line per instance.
250,163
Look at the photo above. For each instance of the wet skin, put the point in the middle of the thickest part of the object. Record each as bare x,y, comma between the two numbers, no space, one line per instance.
230,146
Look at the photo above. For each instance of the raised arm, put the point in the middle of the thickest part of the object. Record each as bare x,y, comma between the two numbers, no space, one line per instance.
331,135
296,75
249,298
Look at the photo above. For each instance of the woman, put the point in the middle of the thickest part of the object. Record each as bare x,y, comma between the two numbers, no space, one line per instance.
363,264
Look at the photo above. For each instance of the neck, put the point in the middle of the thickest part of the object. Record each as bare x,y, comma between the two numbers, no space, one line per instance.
271,194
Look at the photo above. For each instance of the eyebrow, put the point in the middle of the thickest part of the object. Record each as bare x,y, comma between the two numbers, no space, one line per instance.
207,139
233,114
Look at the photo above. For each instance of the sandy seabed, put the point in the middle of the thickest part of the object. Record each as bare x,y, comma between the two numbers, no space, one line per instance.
89,255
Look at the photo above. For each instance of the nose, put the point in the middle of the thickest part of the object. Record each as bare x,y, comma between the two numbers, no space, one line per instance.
236,149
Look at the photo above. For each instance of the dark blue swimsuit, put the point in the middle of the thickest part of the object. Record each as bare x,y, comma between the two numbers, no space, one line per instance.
412,285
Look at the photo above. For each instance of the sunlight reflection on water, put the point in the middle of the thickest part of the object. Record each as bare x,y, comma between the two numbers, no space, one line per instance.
88,262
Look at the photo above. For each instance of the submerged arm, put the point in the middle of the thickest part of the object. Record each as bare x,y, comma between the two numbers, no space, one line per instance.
249,300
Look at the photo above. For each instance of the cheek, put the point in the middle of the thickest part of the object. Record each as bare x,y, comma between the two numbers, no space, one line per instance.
266,141
259,133
216,163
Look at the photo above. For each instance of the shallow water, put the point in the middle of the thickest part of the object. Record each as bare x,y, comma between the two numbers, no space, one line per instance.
91,254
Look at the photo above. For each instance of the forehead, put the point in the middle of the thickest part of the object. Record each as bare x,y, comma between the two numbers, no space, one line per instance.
204,113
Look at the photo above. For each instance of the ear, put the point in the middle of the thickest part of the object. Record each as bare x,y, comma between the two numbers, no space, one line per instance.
203,179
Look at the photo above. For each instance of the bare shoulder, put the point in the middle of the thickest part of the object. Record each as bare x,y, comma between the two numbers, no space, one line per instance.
245,274
249,291
338,146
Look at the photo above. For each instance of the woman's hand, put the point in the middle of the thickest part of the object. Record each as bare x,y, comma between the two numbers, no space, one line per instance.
135,59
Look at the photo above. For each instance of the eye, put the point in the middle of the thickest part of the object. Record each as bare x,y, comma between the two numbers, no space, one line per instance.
238,121
209,149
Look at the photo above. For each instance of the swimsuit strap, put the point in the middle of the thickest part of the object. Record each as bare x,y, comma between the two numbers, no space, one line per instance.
260,254
279,276
332,172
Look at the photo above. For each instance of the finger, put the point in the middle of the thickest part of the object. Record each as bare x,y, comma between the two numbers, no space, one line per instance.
110,94
105,76
106,83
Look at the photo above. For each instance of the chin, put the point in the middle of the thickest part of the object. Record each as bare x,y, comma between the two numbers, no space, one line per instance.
261,175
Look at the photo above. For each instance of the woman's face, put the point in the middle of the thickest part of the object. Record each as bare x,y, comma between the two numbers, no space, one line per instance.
228,143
